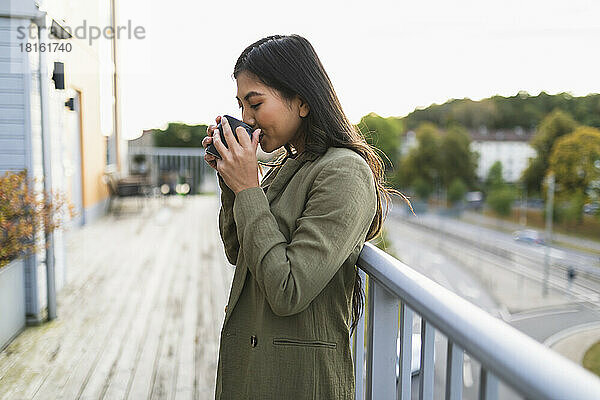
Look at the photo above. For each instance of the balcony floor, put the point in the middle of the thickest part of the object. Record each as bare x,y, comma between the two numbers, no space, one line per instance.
140,315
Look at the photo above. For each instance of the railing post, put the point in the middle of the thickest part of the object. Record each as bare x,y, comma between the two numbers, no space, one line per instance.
359,349
382,324
527,366
427,366
488,385
405,361
454,372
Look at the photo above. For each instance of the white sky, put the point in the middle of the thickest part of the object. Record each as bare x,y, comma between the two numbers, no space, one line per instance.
388,57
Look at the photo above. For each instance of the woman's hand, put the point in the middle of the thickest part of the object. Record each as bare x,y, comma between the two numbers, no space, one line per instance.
209,158
238,165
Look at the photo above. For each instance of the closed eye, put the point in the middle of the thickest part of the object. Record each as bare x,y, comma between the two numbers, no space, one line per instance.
255,106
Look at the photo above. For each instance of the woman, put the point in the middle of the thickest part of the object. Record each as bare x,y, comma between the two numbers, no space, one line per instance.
295,237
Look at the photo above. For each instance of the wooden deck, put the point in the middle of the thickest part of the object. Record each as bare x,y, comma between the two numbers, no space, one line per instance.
141,315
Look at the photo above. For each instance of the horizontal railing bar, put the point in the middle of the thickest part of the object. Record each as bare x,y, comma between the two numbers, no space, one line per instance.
518,360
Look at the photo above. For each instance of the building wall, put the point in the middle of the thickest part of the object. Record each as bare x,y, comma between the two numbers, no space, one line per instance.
87,70
14,113
513,155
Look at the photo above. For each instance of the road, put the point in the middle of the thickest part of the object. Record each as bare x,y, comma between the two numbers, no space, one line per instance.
505,278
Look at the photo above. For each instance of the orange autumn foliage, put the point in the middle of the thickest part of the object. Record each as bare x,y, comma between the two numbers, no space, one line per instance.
24,215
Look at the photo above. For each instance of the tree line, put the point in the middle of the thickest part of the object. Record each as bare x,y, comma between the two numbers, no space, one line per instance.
566,141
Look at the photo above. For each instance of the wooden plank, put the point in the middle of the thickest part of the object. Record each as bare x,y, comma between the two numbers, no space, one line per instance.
9,357
165,372
215,286
100,373
41,348
184,384
101,323
141,384
126,364
111,340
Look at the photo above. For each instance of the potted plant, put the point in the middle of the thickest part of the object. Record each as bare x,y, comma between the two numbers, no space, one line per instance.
24,215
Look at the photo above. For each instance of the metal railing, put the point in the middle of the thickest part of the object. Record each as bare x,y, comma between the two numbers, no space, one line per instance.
396,293
170,164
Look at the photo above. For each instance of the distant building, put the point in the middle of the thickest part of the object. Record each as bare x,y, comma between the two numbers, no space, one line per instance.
509,146
146,140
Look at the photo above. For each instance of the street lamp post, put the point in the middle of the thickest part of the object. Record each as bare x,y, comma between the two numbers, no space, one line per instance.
549,212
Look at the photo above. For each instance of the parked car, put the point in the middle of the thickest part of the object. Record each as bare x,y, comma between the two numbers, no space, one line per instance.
528,236
474,200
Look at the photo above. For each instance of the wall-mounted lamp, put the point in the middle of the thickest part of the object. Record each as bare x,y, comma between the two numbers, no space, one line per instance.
70,104
58,76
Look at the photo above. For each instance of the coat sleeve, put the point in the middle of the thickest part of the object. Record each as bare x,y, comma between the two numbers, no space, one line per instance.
227,227
339,209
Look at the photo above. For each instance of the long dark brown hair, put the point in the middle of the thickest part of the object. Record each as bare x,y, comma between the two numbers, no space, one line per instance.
289,64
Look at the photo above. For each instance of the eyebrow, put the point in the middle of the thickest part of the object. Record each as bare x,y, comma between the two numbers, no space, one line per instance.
250,94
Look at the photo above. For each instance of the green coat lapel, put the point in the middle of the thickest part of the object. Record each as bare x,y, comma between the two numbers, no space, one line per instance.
287,171
276,185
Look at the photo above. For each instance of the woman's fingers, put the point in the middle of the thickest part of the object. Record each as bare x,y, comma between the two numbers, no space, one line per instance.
231,140
211,160
223,151
211,128
244,139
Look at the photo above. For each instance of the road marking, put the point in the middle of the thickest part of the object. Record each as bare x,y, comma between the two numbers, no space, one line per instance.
549,342
534,314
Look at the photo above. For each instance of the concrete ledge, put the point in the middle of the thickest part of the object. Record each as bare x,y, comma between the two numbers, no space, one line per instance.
574,342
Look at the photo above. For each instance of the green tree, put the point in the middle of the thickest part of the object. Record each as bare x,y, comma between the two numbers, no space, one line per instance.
494,178
422,188
422,161
556,124
574,161
500,200
498,112
457,161
456,191
180,135
384,134
574,207
500,196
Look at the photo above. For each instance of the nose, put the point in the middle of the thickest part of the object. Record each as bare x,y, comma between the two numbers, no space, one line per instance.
249,119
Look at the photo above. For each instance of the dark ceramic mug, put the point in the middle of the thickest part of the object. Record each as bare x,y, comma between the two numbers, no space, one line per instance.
234,124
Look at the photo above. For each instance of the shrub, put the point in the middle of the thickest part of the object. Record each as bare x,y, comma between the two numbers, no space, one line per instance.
23,215
501,200
456,191
422,188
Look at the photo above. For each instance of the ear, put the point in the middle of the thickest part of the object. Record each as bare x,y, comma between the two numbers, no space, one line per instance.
303,107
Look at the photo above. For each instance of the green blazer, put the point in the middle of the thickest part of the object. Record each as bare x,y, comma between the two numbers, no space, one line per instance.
295,242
